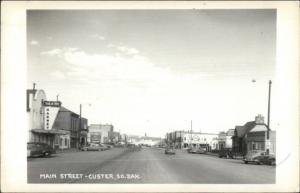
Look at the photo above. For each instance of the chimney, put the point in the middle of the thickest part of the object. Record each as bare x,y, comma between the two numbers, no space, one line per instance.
259,119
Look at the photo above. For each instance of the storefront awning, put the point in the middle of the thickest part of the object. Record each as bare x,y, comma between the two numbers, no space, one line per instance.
60,132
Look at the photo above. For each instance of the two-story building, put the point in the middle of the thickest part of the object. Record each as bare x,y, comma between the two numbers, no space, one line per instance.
69,122
254,136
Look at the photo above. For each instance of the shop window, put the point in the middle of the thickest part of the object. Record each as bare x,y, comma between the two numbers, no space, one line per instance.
66,142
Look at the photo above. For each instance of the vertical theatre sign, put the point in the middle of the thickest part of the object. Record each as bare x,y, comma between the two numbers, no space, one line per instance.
51,109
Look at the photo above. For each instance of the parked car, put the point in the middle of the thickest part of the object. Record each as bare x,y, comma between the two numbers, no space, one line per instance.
105,147
170,150
36,149
227,153
94,147
260,157
197,150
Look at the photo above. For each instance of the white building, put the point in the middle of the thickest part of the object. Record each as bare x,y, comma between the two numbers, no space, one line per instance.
35,113
41,115
145,140
100,133
184,139
225,139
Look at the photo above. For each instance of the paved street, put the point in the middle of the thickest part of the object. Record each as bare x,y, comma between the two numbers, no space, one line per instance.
149,165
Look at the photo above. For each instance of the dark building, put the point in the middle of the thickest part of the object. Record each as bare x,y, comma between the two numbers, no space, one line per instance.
70,121
83,131
253,136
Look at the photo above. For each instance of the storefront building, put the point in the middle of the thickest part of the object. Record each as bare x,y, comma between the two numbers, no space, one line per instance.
41,117
225,140
69,122
35,115
100,133
184,139
83,131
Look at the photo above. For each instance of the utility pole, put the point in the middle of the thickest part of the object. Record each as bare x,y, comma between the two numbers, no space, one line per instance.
191,133
80,109
269,106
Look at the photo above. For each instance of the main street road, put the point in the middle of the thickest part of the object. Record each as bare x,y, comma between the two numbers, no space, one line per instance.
149,165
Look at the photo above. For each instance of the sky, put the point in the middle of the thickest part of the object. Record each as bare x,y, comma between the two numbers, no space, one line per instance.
155,71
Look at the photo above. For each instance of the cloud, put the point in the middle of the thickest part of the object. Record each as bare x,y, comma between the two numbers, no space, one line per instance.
34,43
58,75
98,37
53,52
124,49
112,68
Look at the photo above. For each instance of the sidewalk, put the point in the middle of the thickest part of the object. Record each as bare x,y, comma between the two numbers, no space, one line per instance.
69,150
211,154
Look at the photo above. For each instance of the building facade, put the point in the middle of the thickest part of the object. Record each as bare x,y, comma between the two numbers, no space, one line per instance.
184,139
254,136
69,122
100,133
83,131
35,116
41,118
225,140
144,140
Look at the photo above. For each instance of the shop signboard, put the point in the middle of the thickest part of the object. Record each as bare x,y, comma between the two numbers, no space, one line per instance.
95,137
52,103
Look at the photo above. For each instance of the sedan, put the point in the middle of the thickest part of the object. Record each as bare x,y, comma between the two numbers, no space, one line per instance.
198,150
260,157
36,149
94,147
170,151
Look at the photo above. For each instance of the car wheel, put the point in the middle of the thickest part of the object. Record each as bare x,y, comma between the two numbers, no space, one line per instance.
46,154
258,162
245,162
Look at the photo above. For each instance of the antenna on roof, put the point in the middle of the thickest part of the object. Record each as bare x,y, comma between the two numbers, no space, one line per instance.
34,85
